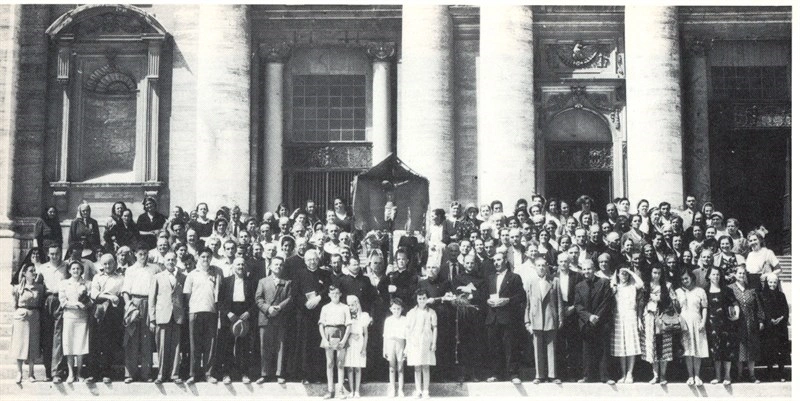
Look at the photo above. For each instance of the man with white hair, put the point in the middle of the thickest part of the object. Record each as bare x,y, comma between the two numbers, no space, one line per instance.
311,292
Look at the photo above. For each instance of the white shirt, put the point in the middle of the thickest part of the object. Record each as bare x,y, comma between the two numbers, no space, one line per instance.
500,278
238,289
542,282
563,283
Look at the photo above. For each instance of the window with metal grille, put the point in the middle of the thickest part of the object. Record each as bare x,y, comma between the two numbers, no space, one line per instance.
328,108
750,83
320,186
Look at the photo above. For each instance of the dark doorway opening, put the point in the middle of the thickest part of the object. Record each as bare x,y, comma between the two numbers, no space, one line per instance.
569,185
748,179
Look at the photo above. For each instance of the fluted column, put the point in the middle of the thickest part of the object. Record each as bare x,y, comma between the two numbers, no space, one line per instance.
223,106
653,77
506,169
427,141
275,57
381,55
697,159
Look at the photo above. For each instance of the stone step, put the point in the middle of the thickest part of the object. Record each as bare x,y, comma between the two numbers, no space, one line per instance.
296,391
786,267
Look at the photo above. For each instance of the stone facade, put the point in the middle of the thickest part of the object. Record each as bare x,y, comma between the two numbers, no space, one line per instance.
454,90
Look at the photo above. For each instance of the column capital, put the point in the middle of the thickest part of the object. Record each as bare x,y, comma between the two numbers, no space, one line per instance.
698,46
381,51
275,52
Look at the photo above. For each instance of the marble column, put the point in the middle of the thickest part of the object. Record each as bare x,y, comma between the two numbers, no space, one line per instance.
223,106
506,166
381,55
653,82
275,57
698,154
8,128
426,143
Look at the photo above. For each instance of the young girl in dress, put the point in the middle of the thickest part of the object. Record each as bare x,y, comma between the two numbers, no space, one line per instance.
334,328
394,345
355,356
421,333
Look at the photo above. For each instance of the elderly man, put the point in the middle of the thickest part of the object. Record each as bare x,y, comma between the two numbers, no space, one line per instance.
311,293
542,319
237,304
594,302
273,300
471,334
167,316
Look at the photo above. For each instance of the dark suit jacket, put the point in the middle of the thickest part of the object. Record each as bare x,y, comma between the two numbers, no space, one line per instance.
225,300
594,297
268,294
511,287
255,269
444,271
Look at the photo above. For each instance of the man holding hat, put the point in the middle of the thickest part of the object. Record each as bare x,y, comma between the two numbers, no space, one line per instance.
237,303
138,338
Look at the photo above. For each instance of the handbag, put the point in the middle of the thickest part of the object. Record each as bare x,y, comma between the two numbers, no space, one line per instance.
670,323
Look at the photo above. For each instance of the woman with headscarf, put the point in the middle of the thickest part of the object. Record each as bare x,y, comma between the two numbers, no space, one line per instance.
34,257
48,229
775,337
708,211
84,229
116,214
150,222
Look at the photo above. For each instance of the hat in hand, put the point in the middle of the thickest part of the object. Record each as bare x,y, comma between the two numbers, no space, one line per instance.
240,328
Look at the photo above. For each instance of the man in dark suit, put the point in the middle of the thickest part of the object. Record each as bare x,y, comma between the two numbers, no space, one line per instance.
450,268
273,300
504,317
237,303
167,315
593,304
568,342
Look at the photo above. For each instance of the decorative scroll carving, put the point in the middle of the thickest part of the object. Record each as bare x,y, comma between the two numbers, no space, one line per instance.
113,23
579,98
348,156
578,55
762,115
276,53
109,80
381,51
578,156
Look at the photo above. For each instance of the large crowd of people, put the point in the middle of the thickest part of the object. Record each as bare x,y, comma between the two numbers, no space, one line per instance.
294,296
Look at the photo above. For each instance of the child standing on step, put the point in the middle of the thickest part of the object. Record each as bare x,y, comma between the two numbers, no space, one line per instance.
334,328
355,356
394,345
421,333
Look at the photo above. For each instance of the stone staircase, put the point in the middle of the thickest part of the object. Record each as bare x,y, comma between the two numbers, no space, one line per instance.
786,268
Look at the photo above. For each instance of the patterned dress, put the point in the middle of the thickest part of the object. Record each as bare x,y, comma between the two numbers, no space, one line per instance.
752,313
723,344
626,341
655,347
692,303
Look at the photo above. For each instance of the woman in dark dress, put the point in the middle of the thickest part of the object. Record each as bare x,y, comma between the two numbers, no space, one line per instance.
150,222
750,323
124,233
775,337
723,347
48,229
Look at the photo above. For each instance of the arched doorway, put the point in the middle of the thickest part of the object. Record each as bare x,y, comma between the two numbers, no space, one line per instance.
578,155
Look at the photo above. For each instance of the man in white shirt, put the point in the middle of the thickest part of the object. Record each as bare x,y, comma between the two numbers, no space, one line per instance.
138,338
229,254
167,316
51,274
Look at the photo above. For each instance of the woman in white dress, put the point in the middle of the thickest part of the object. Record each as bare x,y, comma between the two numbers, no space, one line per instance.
626,343
694,309
74,298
